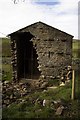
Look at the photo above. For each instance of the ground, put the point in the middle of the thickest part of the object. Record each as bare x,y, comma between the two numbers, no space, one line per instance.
25,100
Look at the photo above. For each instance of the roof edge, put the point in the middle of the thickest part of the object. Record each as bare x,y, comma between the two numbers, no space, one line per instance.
41,23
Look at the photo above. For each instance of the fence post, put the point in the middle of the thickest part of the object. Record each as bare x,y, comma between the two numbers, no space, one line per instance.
73,85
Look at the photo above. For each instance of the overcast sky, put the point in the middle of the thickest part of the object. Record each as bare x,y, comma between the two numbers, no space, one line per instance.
61,14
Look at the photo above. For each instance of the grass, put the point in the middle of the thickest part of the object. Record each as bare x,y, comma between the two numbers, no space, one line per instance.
6,56
6,47
76,49
7,72
76,44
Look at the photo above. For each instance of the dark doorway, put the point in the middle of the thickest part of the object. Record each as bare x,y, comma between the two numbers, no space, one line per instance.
26,57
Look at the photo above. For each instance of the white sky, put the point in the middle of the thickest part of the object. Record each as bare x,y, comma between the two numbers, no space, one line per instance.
63,15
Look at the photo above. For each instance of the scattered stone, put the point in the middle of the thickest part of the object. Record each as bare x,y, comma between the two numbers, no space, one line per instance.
44,91
46,102
59,110
62,84
53,87
11,96
6,82
44,85
67,81
13,91
57,103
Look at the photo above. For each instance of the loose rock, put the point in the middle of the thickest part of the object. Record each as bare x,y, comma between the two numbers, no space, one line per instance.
59,110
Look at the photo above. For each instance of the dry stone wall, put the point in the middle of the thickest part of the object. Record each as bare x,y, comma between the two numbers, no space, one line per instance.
14,58
53,48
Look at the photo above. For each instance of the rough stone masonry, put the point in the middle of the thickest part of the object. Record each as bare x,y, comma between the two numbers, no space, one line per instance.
40,50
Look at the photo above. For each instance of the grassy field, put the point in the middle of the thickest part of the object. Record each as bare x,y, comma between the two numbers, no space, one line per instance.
6,60
28,109
6,47
76,44
76,49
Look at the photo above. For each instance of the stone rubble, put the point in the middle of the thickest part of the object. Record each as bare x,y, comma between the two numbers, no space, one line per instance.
15,93
12,91
59,110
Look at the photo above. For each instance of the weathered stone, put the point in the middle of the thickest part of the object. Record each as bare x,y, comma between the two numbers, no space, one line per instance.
46,102
62,84
57,103
11,96
5,82
52,87
59,110
44,85
52,50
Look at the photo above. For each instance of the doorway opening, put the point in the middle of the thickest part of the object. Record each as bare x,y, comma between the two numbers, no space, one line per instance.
26,57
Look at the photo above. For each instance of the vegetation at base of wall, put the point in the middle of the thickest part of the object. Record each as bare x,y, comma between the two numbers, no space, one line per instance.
30,109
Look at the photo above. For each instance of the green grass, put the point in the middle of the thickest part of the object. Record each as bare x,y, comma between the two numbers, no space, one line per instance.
76,48
6,56
6,47
7,72
76,44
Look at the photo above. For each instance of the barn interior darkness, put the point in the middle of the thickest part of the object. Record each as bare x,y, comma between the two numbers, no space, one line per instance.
26,57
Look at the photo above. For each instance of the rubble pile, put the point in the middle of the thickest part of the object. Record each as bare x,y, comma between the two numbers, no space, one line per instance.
13,91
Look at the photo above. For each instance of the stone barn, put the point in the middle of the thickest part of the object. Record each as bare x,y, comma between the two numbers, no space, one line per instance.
40,50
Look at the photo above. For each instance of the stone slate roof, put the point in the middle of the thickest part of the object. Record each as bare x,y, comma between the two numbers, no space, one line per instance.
37,23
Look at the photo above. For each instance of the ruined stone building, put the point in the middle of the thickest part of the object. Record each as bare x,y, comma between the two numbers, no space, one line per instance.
40,50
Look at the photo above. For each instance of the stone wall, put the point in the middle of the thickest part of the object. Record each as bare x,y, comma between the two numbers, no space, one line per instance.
14,58
53,47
